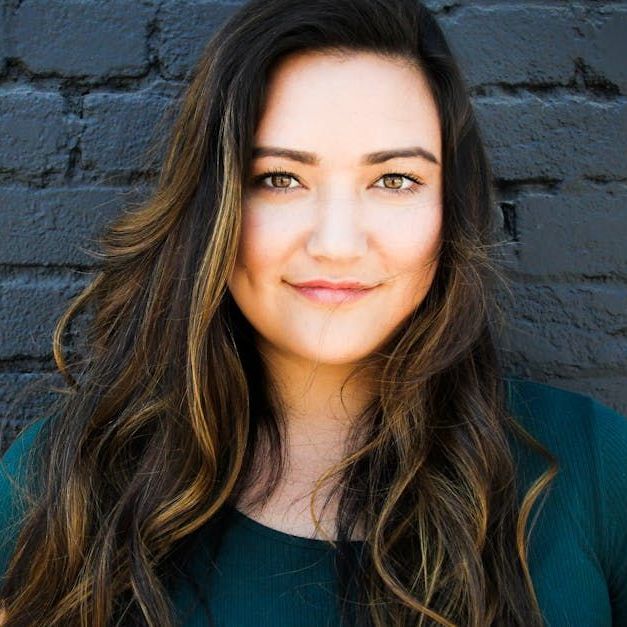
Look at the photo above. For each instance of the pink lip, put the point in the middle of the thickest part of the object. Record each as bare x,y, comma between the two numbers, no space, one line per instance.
326,292
339,285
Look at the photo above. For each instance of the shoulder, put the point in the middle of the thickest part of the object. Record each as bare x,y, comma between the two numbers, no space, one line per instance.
13,461
589,442
14,465
567,421
587,438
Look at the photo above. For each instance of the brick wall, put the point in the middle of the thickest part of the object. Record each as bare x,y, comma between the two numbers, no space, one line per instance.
84,85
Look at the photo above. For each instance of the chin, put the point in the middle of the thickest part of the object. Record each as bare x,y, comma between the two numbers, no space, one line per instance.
338,356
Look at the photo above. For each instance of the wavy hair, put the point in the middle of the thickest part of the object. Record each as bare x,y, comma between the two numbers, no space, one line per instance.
157,428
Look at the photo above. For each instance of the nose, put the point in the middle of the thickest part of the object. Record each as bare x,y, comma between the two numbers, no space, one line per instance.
339,231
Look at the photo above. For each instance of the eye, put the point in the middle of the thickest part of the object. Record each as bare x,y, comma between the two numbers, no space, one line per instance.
397,182
280,181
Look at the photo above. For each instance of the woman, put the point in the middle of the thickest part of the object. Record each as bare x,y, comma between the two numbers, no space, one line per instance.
291,411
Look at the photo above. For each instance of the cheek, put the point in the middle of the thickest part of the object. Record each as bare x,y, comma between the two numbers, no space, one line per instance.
411,241
262,244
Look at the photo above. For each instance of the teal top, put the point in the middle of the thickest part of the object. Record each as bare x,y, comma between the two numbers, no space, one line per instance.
577,555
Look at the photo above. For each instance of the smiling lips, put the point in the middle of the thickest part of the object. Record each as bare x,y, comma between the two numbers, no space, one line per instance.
329,292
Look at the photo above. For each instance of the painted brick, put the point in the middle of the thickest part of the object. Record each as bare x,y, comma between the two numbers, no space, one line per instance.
186,27
4,39
82,37
510,42
554,137
34,133
573,232
119,130
30,305
606,45
567,328
51,226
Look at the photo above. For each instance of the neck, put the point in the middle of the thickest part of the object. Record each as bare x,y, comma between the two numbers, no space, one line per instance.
318,416
319,401
318,413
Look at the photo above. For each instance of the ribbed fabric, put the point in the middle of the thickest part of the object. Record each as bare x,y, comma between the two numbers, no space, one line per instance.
259,576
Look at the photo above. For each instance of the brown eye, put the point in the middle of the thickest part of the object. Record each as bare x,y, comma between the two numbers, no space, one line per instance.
280,180
397,181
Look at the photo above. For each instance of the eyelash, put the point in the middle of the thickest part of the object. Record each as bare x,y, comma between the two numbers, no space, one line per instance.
257,180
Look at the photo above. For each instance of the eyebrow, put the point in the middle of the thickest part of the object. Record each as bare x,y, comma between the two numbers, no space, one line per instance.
372,158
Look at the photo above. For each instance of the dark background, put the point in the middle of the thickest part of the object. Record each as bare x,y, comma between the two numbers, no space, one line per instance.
84,86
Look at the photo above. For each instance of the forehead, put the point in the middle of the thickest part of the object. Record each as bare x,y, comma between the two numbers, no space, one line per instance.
348,105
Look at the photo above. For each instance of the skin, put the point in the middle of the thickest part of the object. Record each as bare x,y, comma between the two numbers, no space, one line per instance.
339,220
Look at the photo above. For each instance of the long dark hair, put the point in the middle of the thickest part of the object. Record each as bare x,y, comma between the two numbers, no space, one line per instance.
157,429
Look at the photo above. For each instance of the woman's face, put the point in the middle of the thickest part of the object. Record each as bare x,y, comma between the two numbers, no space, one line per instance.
343,208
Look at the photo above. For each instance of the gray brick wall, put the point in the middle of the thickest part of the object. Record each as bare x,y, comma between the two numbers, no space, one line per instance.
84,85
